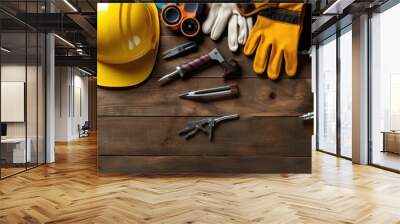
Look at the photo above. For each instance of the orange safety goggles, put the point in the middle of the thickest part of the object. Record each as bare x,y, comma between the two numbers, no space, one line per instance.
183,17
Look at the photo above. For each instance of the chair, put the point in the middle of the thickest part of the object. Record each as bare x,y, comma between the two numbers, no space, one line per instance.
84,130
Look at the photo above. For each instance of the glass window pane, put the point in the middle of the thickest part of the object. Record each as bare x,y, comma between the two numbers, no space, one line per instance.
23,86
385,84
15,151
346,94
327,97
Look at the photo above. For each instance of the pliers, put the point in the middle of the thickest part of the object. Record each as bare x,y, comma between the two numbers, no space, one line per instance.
206,126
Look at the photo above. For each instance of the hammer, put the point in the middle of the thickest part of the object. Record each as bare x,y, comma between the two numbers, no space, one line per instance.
231,68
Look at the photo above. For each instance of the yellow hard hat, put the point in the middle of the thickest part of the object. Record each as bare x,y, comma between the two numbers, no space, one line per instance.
127,43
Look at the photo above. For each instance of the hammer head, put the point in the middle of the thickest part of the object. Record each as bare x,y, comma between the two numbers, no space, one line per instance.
231,68
216,55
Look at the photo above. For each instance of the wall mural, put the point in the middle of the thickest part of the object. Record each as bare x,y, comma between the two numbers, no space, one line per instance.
204,88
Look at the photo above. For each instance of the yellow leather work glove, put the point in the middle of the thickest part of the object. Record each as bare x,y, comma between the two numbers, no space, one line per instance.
249,9
276,35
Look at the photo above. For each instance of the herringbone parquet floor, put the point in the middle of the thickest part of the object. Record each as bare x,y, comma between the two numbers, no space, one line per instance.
70,191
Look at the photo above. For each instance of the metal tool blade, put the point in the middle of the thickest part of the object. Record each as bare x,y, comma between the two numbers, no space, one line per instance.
202,91
212,90
206,96
216,55
169,77
215,93
180,49
170,53
227,117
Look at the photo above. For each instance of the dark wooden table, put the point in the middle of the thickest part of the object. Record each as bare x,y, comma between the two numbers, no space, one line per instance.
137,128
391,141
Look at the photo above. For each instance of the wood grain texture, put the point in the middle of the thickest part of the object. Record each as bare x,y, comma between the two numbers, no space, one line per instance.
92,107
257,98
137,165
275,136
138,126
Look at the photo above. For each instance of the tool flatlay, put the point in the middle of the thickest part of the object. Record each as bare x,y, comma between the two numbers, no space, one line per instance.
274,38
206,126
231,68
217,93
181,49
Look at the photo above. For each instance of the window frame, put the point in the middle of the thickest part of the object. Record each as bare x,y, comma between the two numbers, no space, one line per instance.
336,36
26,30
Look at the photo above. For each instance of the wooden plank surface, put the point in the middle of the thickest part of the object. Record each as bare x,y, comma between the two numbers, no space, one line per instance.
158,136
257,98
134,165
138,127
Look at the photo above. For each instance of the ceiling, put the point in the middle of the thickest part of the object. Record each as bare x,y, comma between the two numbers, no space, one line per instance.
39,6
72,20
22,44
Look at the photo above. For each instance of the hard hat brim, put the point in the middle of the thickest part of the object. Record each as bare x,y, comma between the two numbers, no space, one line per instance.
132,73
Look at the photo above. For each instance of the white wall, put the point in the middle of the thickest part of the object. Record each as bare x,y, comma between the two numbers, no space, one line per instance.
12,73
16,73
13,101
62,81
80,110
71,102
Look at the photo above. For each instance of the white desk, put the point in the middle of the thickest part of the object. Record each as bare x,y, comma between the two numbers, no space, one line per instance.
19,155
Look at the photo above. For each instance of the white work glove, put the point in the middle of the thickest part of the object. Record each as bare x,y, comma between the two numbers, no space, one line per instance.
238,28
